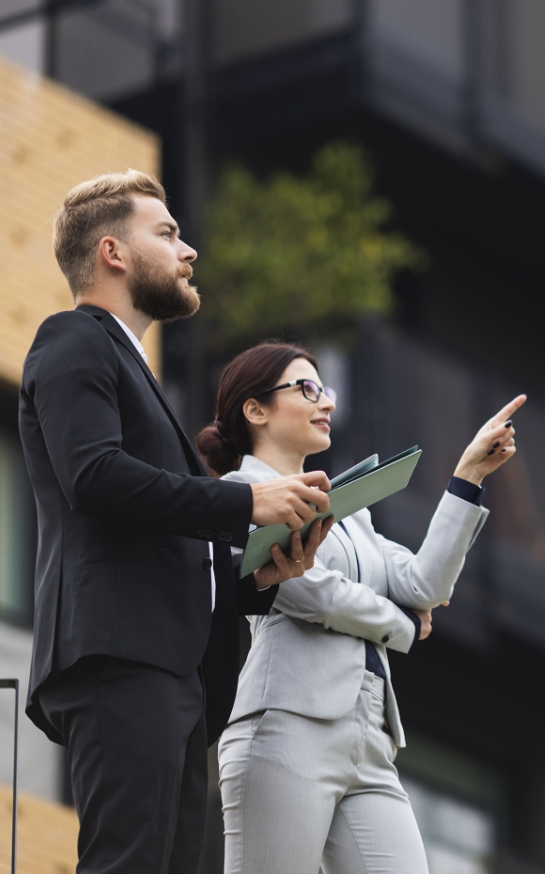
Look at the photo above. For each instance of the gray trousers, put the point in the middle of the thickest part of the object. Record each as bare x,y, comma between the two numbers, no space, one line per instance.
300,792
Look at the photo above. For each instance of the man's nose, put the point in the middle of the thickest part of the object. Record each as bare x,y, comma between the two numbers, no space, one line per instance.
186,253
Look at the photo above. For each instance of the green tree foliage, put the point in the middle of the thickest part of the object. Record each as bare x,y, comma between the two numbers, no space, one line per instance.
300,254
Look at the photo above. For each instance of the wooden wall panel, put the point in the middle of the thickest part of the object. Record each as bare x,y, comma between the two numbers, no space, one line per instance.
47,836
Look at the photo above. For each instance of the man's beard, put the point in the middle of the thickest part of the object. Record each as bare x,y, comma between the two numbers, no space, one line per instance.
160,295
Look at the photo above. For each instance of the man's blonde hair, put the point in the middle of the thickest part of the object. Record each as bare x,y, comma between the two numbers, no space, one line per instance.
93,210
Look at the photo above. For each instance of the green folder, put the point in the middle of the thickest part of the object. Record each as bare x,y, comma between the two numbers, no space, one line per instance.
356,488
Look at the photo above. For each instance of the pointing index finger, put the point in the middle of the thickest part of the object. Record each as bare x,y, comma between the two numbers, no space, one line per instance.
507,411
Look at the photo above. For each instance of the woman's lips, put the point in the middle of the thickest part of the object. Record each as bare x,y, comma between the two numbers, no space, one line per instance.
323,424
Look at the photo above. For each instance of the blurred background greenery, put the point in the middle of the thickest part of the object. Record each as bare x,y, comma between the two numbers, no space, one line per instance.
300,254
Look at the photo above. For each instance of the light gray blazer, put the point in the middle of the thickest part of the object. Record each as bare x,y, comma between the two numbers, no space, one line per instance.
308,654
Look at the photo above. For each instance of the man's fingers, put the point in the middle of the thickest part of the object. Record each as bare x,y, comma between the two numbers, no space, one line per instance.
316,478
291,499
301,513
313,496
303,501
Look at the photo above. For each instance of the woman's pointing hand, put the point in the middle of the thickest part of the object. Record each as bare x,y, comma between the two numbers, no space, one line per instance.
492,446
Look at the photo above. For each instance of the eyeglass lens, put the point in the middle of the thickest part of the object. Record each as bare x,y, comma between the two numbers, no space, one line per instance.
312,391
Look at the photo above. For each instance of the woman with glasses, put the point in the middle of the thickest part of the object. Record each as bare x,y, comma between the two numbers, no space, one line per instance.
307,769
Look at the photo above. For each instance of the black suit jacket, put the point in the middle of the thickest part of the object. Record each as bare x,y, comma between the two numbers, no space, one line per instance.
125,511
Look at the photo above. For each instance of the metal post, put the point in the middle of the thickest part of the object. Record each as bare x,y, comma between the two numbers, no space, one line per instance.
50,65
14,684
472,13
197,23
194,179
362,84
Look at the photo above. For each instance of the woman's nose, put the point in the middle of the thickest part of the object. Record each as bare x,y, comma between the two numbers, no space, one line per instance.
326,403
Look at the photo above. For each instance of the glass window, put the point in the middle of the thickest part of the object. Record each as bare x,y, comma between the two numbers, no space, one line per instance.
17,534
527,60
430,31
244,27
107,51
9,8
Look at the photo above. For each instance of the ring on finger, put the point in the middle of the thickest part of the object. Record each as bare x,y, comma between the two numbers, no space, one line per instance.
297,560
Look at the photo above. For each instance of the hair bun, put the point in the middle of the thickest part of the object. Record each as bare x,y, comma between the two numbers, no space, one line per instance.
218,448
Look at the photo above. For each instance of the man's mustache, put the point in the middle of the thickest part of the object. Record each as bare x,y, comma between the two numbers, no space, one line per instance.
186,271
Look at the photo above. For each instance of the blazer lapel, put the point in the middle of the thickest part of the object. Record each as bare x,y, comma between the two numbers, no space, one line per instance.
113,328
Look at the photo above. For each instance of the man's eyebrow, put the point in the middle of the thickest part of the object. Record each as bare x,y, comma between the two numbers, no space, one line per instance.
172,226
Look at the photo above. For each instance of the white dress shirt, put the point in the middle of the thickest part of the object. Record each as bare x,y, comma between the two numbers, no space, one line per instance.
136,342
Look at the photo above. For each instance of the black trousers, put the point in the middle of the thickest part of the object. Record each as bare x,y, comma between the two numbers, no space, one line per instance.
136,741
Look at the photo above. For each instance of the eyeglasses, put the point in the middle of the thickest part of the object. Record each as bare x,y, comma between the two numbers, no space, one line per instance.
311,390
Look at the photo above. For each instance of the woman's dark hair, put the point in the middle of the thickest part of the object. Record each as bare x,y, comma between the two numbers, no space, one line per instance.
223,443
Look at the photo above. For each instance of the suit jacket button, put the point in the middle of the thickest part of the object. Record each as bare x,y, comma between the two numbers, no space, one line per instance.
221,535
201,532
386,638
207,564
208,534
227,537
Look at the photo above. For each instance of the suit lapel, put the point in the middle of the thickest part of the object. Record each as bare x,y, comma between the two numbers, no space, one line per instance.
114,328
342,534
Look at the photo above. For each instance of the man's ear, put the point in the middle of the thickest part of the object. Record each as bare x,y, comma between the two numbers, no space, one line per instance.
110,252
255,413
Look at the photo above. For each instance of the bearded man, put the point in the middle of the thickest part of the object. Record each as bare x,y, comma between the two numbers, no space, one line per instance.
135,649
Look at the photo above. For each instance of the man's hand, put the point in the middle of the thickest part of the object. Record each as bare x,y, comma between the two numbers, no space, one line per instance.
300,558
288,499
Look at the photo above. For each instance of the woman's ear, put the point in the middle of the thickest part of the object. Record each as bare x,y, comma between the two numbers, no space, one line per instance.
255,413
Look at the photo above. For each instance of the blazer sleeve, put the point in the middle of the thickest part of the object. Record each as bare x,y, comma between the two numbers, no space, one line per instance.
71,378
424,579
251,600
326,596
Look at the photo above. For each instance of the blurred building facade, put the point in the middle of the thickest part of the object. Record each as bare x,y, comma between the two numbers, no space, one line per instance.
449,98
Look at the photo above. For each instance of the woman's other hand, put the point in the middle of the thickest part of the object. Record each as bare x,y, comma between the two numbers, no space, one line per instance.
492,446
425,617
425,623
301,558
